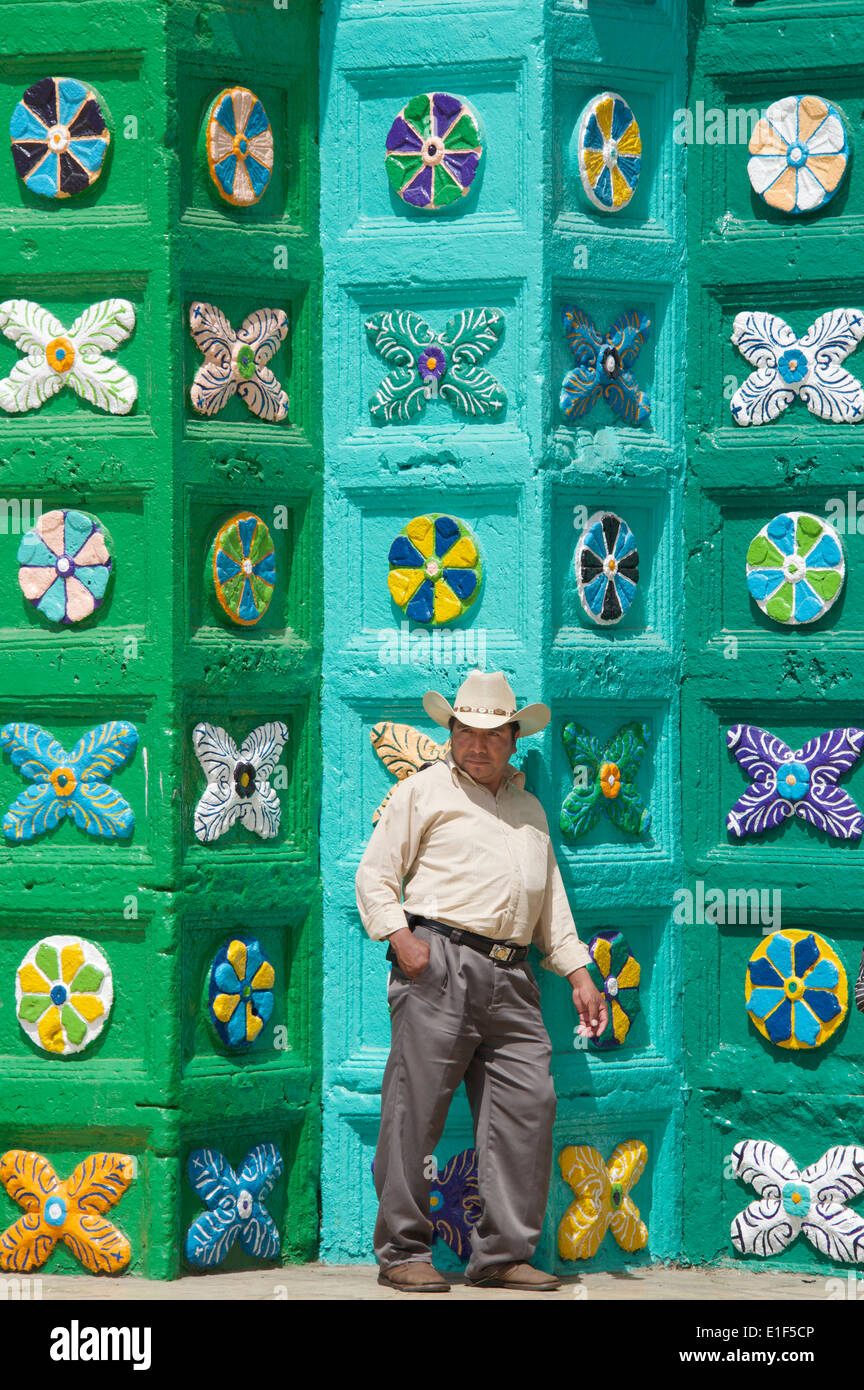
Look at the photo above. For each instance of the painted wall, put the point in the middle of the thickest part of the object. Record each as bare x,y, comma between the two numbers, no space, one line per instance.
524,242
742,665
157,1084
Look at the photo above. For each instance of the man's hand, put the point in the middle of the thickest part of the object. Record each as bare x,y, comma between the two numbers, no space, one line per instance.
589,1003
412,953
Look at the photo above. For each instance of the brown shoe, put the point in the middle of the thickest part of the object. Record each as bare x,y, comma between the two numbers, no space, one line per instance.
416,1276
518,1276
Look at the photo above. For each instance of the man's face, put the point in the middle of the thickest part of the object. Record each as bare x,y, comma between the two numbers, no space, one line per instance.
483,753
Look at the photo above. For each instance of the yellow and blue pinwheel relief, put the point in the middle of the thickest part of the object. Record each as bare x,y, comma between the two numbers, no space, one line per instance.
69,784
796,991
435,569
240,991
603,366
235,1203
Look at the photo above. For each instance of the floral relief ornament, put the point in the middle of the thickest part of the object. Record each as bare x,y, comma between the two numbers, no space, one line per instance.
808,368
433,150
70,1210
238,783
58,356
603,366
796,568
64,565
796,990
426,364
435,569
239,144
616,973
63,994
59,137
602,1200
607,568
812,1203
799,152
603,781
609,152
237,362
403,750
235,1205
240,991
803,783
69,784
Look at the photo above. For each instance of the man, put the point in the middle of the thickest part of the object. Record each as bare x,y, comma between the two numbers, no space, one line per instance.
471,849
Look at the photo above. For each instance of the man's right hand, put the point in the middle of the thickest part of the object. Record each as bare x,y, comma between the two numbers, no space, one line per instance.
412,953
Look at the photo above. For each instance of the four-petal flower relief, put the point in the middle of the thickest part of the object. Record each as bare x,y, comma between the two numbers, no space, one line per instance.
603,780
603,366
403,750
808,367
238,784
427,364
238,361
235,1204
602,1200
58,356
69,784
803,783
812,1203
70,1211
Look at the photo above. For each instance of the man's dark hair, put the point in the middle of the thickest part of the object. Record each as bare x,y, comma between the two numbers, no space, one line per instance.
514,725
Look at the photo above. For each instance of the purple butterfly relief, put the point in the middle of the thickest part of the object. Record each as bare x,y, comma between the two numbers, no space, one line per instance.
803,783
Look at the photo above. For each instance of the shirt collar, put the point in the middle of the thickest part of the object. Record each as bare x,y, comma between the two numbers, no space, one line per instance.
510,777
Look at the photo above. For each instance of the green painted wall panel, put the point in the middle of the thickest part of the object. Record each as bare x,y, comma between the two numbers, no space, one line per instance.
739,665
156,1084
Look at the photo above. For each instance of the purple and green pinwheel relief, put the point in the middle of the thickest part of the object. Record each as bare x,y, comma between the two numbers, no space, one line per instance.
803,783
603,366
433,150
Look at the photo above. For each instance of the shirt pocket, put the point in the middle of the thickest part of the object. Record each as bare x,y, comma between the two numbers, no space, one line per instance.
532,856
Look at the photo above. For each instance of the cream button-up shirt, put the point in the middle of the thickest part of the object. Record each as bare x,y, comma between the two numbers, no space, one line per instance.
470,859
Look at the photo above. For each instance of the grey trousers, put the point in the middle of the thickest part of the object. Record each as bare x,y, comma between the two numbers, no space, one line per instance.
465,1018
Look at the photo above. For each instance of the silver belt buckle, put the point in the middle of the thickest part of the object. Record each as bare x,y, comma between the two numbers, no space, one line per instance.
502,953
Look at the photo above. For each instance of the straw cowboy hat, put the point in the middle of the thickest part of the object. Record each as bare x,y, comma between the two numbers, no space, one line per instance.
485,701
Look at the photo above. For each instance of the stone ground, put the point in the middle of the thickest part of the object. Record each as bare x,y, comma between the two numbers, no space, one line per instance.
358,1283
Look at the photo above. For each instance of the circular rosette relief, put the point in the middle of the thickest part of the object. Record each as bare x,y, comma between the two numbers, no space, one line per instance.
796,991
59,137
239,144
63,994
799,152
608,152
616,973
433,151
65,565
242,563
435,569
240,991
795,568
607,568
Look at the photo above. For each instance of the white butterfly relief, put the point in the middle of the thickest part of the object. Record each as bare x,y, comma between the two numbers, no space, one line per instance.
238,783
57,356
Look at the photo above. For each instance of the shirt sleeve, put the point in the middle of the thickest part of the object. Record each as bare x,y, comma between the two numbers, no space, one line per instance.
555,933
386,860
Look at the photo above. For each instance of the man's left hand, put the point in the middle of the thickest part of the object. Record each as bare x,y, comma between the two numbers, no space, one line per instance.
589,1003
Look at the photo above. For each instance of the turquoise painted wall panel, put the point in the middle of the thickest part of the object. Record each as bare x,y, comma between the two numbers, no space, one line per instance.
519,481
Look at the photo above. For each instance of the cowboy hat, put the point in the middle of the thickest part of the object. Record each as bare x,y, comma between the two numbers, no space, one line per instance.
485,700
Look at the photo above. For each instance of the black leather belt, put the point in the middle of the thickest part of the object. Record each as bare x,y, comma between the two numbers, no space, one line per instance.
498,951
